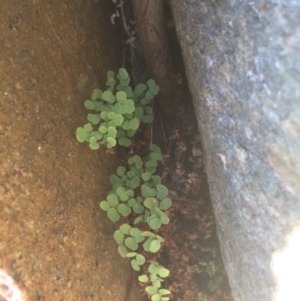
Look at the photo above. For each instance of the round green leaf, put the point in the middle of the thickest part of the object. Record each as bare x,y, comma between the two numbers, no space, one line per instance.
152,192
103,129
146,176
137,220
108,96
128,91
123,110
147,119
131,174
152,268
140,259
139,89
118,120
143,278
80,134
151,290
131,254
136,234
131,202
113,214
150,202
151,163
124,141
99,107
165,204
130,133
123,73
125,228
156,180
119,237
93,143
110,123
154,90
125,82
120,87
117,108
111,132
156,283
104,205
148,110
163,272
150,169
89,104
135,265
150,83
145,101
145,189
130,192
164,291
154,148
154,223
162,191
148,95
124,209
135,182
103,115
138,208
111,115
164,219
134,123
96,134
156,157
131,243
146,244
114,179
154,246
110,82
124,197
112,200
155,297
122,251
88,127
110,74
126,125
121,97
139,112
159,238
148,234
130,107
120,191
121,171
111,141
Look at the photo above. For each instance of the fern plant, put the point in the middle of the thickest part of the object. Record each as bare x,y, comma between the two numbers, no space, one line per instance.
117,114
138,190
117,111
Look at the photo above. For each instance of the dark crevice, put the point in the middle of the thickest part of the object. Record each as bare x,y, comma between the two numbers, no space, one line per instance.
191,238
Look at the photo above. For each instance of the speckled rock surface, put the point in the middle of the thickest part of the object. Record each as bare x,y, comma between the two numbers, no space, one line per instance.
54,241
242,61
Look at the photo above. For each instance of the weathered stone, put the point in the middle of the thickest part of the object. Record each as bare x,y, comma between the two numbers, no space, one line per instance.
242,61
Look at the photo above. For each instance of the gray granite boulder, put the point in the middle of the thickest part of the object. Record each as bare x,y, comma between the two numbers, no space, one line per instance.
242,61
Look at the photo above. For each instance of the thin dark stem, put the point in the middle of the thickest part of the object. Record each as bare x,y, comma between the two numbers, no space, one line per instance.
129,288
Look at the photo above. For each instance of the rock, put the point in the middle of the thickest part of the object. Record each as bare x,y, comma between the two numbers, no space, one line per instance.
242,61
55,243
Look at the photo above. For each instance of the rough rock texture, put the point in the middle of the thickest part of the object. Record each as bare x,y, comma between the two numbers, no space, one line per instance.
54,240
242,61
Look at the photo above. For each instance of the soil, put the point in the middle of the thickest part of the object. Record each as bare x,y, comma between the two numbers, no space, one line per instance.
54,241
